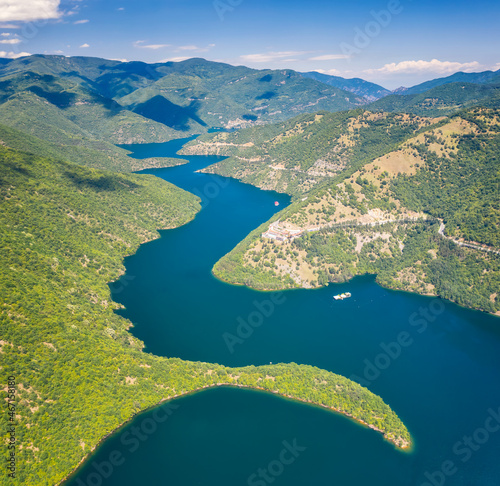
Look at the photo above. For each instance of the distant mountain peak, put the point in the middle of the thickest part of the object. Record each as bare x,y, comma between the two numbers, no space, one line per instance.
368,91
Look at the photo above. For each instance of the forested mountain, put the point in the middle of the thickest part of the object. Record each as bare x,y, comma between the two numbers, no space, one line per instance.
219,95
382,213
97,117
485,77
181,94
74,122
444,99
307,150
369,91
85,105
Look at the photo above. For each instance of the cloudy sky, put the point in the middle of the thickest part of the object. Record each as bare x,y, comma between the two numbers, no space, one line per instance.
390,42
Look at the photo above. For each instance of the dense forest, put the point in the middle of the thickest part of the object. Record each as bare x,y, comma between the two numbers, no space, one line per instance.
307,150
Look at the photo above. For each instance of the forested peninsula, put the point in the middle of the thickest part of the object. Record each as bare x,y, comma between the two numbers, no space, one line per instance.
413,200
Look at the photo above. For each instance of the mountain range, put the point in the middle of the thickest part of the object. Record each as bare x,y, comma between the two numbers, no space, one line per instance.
84,106
369,91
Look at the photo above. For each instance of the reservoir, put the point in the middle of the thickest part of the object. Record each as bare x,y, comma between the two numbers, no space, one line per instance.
437,365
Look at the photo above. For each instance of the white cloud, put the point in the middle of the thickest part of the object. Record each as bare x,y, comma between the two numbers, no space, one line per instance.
9,26
331,72
26,10
140,43
84,46
13,55
272,56
188,48
5,34
120,9
496,67
423,67
83,21
329,57
10,41
154,46
174,59
195,48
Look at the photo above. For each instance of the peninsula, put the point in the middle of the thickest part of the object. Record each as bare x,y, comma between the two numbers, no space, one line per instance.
370,194
67,230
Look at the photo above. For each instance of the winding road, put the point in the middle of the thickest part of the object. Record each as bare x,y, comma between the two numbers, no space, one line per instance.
462,243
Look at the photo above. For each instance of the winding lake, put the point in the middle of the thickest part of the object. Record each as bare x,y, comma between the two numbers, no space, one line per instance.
441,376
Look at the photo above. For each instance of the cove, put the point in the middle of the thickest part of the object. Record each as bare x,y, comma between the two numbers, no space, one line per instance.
441,380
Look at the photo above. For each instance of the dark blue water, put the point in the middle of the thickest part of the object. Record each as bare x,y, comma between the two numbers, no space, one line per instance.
436,364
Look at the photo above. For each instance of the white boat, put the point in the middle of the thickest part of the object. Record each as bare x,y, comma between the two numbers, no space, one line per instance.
342,296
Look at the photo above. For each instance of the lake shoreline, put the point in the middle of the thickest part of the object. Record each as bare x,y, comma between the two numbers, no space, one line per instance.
284,289
401,445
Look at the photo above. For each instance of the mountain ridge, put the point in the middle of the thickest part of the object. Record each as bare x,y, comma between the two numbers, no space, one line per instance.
366,89
245,96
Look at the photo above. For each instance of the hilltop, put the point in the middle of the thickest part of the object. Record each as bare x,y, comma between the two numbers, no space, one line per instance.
443,99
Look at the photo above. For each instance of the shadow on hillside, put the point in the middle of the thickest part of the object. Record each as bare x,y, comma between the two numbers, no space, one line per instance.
61,99
103,183
164,111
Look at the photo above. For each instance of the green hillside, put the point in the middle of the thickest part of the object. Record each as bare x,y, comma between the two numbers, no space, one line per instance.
72,373
307,150
99,117
485,77
90,153
385,217
360,87
244,96
72,123
441,100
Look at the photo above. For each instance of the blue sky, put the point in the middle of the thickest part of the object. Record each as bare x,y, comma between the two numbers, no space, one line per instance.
390,42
